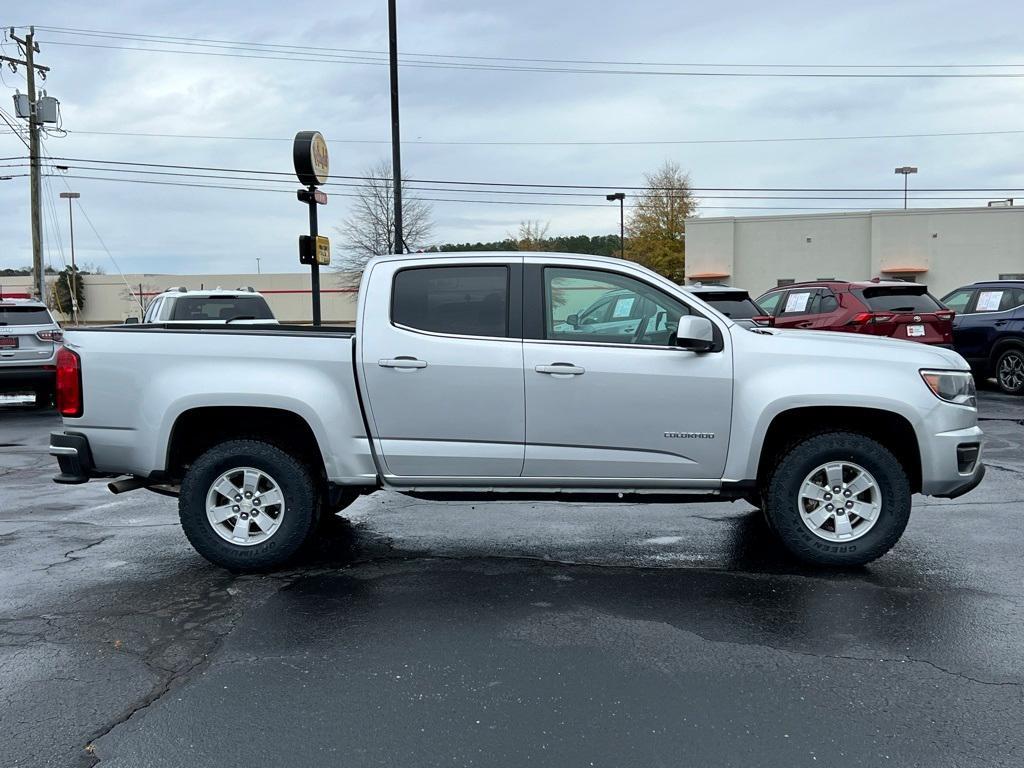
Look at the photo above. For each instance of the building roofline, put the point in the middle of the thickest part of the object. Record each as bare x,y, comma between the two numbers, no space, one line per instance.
855,214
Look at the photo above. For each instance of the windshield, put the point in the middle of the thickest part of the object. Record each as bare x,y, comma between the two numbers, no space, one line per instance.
900,299
203,309
737,306
14,315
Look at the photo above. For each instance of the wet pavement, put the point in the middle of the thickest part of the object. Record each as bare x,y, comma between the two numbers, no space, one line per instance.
421,633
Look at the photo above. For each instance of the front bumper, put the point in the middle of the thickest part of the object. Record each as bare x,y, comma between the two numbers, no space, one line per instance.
74,457
951,463
967,487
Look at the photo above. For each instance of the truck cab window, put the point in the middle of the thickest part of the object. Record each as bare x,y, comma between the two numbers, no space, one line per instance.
466,301
593,306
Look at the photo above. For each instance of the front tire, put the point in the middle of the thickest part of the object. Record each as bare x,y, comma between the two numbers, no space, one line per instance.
838,499
248,506
1010,371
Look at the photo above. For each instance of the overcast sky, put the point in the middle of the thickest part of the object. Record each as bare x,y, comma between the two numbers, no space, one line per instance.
171,229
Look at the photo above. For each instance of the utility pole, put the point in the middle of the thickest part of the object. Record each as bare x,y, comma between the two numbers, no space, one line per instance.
30,48
396,136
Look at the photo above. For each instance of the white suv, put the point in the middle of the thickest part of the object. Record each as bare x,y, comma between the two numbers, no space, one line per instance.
180,305
29,339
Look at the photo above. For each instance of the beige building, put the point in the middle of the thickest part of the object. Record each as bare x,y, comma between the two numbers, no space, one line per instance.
941,247
112,298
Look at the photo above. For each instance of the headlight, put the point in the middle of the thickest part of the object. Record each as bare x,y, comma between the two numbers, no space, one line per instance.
955,387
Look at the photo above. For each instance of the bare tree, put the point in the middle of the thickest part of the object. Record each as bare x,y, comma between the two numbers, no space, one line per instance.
532,235
369,229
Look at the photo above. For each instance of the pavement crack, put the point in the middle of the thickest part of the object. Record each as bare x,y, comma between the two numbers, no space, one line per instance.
74,554
151,698
902,660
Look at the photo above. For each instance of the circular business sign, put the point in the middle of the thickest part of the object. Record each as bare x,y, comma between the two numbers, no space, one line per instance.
309,153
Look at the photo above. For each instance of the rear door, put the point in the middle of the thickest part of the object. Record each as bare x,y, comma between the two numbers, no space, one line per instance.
800,309
19,343
907,311
611,407
441,356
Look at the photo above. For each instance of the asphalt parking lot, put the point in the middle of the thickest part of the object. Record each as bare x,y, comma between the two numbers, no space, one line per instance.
421,633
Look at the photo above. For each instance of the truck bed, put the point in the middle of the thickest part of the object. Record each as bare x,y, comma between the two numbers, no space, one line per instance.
139,380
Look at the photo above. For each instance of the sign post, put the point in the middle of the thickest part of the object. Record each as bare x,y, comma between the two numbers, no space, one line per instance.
312,166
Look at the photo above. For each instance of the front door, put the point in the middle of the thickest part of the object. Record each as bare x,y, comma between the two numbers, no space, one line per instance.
442,370
602,403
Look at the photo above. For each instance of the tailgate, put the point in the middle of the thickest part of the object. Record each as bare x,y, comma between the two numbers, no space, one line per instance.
19,344
928,328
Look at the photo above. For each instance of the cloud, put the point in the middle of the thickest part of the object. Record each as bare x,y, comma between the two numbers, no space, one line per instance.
171,229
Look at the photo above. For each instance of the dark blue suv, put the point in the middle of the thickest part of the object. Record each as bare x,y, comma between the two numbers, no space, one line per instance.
988,330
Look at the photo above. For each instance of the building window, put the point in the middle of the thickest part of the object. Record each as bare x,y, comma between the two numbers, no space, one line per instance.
785,281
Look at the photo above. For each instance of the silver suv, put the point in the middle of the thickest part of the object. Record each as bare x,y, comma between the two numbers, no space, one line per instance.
29,339
218,306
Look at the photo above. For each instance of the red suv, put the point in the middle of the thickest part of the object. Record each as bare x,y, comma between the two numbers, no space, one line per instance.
899,310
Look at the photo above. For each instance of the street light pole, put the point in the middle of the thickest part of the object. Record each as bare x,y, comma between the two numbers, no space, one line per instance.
905,171
396,134
69,196
258,266
621,197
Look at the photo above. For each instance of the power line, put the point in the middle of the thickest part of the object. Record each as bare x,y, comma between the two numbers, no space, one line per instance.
606,187
412,188
595,143
306,48
519,203
85,215
556,70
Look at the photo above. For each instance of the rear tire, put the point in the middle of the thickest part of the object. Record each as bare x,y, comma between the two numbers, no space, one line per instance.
1009,371
262,543
885,500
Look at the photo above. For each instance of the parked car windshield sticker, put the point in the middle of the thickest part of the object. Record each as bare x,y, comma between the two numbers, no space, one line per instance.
797,302
989,301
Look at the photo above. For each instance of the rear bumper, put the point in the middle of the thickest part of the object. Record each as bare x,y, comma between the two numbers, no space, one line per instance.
26,378
74,458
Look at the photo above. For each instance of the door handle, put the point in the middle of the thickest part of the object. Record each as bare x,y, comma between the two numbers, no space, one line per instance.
804,324
560,369
1001,322
402,362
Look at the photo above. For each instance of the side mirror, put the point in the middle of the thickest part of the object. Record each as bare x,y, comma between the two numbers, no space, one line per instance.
131,321
763,320
573,320
695,334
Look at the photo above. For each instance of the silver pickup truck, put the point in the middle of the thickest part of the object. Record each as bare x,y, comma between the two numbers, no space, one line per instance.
481,374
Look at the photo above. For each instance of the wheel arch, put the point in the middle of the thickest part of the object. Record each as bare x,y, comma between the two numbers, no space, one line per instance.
890,429
1002,344
198,429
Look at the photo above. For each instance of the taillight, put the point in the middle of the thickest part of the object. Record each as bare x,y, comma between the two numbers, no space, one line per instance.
945,315
69,383
53,336
865,318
